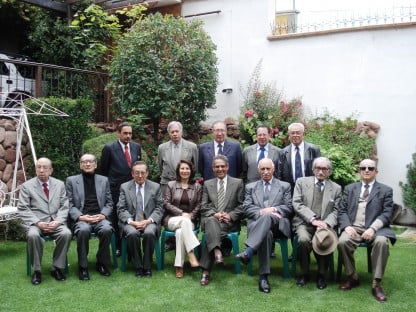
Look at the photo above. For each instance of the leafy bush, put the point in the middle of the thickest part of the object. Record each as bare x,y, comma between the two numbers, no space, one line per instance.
95,145
409,188
60,138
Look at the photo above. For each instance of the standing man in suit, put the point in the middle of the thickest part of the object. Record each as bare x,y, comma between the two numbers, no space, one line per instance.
256,152
116,160
365,214
295,160
268,207
43,208
315,201
90,207
220,146
221,212
169,153
140,211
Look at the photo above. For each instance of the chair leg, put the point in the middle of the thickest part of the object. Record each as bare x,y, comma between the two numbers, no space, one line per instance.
294,254
28,264
369,265
285,257
157,254
123,253
339,268
162,249
113,250
331,267
236,250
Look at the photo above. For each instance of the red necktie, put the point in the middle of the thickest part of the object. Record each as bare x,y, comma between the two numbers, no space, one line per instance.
45,189
127,154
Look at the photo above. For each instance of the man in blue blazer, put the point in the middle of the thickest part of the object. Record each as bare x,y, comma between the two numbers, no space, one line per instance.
364,215
116,161
220,146
90,207
140,211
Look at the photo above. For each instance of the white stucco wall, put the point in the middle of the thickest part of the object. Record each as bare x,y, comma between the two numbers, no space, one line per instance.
368,73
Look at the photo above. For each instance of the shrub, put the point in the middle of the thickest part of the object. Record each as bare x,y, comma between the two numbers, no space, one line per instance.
409,188
60,138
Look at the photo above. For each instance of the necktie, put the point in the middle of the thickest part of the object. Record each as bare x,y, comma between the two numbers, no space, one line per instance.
266,194
298,164
127,154
319,185
220,149
45,189
139,212
366,192
261,156
221,196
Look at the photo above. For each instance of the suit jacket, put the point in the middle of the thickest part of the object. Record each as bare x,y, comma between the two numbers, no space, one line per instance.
303,198
153,203
379,206
250,170
114,164
311,152
280,198
76,196
172,199
189,151
207,152
34,206
234,196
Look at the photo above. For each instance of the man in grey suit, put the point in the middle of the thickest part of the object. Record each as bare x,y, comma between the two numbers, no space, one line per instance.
315,201
169,153
43,208
295,160
221,212
365,214
140,211
116,160
268,207
256,152
90,207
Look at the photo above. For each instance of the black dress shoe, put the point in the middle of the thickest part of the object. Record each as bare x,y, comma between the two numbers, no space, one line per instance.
264,286
378,293
118,253
147,273
36,278
320,282
243,257
303,280
101,268
57,274
83,274
139,272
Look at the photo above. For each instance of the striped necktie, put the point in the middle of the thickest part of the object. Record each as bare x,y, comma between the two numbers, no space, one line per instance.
221,196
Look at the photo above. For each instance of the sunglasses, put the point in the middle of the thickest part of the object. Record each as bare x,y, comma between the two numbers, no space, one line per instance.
367,168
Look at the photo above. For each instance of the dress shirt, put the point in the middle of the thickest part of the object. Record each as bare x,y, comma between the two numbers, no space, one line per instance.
266,150
323,183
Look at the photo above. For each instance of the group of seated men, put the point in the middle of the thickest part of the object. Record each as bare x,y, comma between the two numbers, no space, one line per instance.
288,192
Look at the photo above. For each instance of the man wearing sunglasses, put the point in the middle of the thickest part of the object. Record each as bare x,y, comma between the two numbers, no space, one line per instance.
364,215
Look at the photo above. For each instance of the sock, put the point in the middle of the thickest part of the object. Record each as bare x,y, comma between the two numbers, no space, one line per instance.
249,251
376,282
262,277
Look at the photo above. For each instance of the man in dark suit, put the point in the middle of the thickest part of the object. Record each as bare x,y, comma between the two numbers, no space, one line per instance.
365,214
268,207
116,160
171,152
221,212
43,209
256,152
295,160
140,211
315,201
220,146
90,207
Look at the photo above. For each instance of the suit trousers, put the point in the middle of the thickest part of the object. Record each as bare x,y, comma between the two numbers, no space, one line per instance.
379,253
136,240
83,230
186,240
305,234
261,239
62,237
214,232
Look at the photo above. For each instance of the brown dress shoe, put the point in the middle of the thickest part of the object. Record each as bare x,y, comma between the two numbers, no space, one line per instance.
350,284
378,293
179,272
204,279
218,256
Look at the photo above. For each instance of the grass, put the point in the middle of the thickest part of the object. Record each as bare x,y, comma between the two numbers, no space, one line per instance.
226,292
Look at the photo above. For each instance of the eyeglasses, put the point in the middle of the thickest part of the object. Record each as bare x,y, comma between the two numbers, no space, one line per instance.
324,169
87,162
367,168
43,167
219,130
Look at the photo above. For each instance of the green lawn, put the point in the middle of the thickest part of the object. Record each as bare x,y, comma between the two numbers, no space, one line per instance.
122,291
